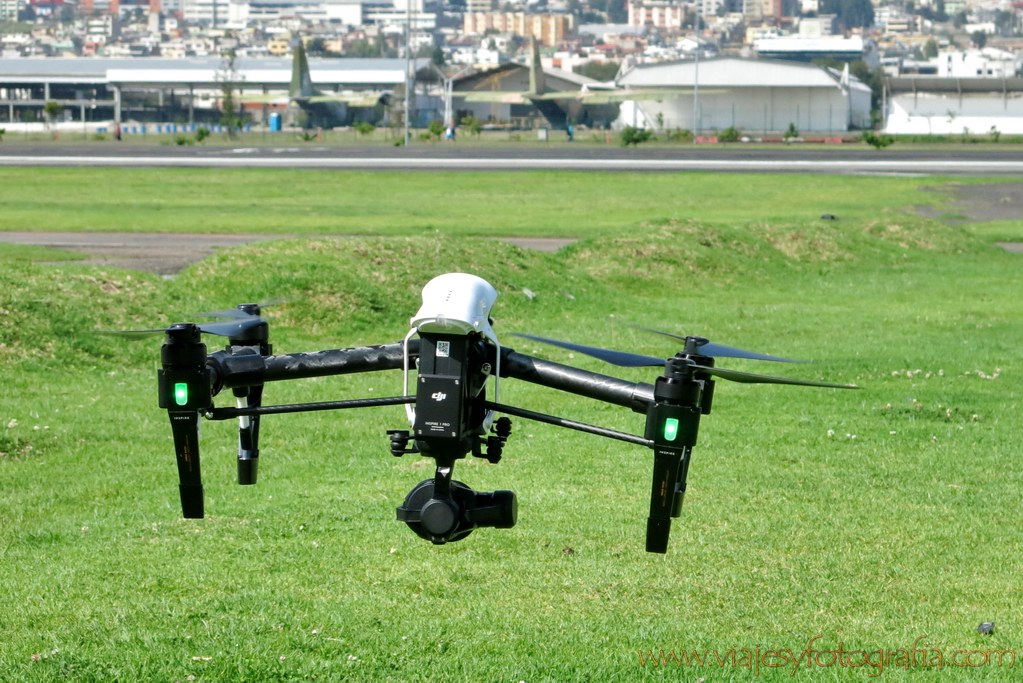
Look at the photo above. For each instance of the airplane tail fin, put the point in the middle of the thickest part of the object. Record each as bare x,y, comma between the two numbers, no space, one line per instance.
536,83
301,81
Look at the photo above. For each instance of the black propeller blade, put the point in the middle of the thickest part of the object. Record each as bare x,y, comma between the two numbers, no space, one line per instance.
233,328
707,348
241,311
622,359
634,360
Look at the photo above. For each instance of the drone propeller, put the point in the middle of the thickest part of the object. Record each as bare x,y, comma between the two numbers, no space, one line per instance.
634,360
241,311
707,348
233,329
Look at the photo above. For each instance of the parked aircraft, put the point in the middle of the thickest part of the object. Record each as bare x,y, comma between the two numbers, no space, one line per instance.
323,110
562,107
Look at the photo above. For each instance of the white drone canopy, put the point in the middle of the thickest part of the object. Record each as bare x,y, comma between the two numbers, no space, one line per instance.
456,303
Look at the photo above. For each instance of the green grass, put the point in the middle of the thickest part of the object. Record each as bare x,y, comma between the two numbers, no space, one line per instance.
29,252
871,517
548,204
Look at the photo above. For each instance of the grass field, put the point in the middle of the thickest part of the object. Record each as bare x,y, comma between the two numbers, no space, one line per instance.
873,519
552,204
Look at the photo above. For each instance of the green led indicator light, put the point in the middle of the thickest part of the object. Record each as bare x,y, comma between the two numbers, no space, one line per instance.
181,393
670,429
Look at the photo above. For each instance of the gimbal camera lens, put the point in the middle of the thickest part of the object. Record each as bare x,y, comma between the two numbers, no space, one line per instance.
452,518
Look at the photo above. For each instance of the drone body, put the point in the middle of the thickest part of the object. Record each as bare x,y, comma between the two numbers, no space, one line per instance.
456,355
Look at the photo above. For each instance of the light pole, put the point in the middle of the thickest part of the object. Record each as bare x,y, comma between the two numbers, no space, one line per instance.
696,74
409,77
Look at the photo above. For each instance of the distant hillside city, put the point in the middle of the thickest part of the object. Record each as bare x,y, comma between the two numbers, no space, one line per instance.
886,50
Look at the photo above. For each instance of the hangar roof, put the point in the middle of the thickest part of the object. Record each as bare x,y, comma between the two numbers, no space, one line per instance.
200,71
736,72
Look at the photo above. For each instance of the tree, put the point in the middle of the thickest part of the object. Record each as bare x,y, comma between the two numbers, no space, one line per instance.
227,76
51,110
850,13
473,124
930,49
979,38
617,12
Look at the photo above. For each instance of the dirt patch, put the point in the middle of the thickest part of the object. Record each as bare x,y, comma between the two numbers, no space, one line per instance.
168,253
977,203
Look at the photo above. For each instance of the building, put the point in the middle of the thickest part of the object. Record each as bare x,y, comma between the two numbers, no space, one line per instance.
987,63
928,105
9,9
160,89
807,50
241,12
549,29
657,13
756,95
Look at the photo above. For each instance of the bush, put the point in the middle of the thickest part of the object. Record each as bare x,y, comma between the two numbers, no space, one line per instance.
633,136
99,137
994,133
472,124
791,132
681,135
364,128
877,141
436,129
201,133
182,140
730,134
2,131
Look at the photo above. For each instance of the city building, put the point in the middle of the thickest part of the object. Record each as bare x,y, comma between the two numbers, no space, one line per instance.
549,29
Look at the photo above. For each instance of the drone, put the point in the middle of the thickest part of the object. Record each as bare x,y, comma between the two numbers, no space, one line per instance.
455,353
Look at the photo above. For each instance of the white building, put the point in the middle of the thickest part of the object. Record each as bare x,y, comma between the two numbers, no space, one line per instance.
749,94
926,105
987,63
659,13
241,12
210,12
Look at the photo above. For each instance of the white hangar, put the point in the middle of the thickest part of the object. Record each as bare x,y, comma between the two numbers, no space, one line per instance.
752,95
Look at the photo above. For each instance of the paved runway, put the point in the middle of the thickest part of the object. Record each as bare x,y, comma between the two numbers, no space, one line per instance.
783,159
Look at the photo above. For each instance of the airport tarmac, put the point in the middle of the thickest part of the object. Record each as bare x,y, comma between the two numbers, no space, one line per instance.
859,159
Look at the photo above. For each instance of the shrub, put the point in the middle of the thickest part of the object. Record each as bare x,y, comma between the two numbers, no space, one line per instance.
633,136
791,132
730,134
182,140
364,128
681,135
201,133
877,141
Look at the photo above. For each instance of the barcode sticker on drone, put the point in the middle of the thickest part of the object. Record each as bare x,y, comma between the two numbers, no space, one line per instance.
443,349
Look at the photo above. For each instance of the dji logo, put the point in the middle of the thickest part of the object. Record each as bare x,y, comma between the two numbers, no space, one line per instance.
438,396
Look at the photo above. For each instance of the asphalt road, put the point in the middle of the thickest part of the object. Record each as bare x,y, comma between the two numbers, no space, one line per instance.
848,159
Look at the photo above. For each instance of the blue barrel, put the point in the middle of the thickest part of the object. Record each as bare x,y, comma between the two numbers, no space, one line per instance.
275,122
